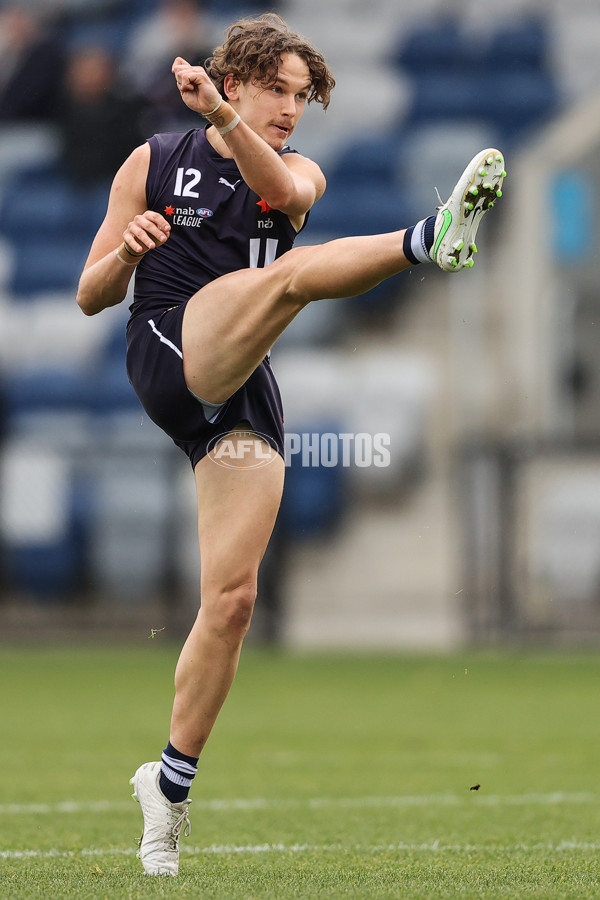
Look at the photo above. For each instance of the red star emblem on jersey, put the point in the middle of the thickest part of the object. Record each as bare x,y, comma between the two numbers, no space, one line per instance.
264,206
169,210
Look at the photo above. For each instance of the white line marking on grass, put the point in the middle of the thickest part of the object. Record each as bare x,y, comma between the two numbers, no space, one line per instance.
534,799
435,846
555,798
66,806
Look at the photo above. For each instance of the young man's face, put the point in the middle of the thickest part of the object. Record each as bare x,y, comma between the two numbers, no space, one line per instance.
273,112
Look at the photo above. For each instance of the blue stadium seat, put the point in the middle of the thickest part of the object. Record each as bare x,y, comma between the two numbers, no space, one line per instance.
503,83
368,160
440,47
55,266
39,205
522,45
109,390
38,199
104,389
40,536
364,195
358,209
44,389
512,102
46,570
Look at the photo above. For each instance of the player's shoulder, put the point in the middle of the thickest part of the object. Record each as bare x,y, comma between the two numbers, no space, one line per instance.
307,168
172,140
294,158
135,166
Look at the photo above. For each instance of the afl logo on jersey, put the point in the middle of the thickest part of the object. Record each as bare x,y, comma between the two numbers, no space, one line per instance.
204,212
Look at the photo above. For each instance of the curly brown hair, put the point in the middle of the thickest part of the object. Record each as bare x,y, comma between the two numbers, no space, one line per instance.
252,51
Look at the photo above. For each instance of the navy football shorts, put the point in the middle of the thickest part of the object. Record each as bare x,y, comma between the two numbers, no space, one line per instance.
155,370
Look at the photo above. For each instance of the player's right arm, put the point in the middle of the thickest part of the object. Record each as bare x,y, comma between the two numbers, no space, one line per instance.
127,224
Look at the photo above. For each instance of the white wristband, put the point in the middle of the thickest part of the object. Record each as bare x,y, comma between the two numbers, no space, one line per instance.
213,111
124,261
235,121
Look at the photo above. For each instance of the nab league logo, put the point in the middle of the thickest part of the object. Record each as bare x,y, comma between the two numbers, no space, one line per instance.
187,215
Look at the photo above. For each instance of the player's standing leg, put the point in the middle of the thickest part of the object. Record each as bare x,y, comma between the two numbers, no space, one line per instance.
237,508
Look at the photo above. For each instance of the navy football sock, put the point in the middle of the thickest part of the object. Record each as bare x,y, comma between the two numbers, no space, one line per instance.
418,241
176,773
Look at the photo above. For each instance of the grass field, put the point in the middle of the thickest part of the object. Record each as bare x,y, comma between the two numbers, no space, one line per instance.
326,776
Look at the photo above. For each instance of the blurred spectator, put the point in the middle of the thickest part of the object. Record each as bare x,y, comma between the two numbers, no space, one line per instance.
176,28
99,121
31,65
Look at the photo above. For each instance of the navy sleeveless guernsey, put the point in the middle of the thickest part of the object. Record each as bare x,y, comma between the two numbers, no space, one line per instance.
218,225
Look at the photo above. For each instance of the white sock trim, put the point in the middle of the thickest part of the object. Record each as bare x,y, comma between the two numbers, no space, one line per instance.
177,770
175,777
417,242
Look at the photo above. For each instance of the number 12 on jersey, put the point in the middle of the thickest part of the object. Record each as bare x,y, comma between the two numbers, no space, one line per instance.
187,189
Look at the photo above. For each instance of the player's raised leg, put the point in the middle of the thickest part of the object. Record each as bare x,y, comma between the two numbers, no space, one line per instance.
231,323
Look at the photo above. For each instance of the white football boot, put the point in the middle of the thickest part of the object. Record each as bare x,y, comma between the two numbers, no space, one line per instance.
458,219
163,822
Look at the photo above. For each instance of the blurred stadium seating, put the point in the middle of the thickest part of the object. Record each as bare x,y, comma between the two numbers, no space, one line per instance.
74,424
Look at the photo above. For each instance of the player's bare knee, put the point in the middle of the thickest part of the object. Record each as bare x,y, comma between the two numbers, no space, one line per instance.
292,267
231,612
